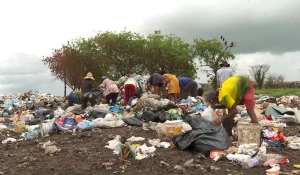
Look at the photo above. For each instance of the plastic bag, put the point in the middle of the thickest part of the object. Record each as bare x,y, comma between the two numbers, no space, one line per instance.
152,103
133,121
204,136
96,114
209,114
85,125
108,122
164,116
63,124
58,112
150,116
169,106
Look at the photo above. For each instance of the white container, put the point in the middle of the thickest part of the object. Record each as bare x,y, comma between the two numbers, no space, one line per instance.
249,133
173,127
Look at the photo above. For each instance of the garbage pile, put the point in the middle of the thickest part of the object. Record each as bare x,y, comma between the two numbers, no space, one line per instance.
186,125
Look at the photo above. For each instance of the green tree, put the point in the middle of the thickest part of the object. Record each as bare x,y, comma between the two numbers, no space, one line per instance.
210,54
121,53
259,73
168,53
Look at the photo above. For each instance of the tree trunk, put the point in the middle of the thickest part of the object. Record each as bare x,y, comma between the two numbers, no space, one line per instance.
65,91
215,83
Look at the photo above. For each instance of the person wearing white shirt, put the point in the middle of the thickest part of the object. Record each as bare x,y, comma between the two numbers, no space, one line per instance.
224,73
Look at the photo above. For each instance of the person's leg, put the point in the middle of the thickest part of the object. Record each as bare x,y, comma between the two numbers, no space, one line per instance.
92,101
108,98
84,103
156,90
114,98
228,125
175,96
170,97
126,94
131,91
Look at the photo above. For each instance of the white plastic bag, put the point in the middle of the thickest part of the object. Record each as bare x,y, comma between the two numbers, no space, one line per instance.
58,112
209,114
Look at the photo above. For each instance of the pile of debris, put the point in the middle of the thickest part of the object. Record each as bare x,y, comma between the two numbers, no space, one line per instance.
186,125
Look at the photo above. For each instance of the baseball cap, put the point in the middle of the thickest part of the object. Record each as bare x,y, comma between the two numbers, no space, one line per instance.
211,97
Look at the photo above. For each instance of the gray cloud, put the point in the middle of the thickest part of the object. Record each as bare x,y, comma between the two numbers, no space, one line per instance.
254,25
22,72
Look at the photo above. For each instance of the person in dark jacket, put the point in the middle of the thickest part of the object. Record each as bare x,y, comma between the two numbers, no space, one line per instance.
157,81
86,94
187,87
73,99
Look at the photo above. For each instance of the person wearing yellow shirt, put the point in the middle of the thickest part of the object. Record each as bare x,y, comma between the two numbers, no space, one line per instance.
236,90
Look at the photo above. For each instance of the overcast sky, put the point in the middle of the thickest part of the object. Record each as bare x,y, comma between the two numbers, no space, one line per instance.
265,31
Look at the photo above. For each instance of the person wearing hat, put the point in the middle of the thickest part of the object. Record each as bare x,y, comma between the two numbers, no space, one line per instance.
224,73
86,94
236,90
111,90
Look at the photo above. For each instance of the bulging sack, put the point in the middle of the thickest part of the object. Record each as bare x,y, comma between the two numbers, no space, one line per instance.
63,124
209,114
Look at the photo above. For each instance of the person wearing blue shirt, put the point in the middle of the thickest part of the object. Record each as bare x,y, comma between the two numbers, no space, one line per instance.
187,87
73,99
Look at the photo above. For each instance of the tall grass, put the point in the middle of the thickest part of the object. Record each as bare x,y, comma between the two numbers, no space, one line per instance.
278,92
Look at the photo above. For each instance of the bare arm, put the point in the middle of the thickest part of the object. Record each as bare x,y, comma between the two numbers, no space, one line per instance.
252,115
231,113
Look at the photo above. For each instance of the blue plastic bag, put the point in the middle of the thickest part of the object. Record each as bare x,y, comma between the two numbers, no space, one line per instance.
86,125
63,124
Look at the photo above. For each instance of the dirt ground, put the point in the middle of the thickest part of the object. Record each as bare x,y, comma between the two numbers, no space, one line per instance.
85,153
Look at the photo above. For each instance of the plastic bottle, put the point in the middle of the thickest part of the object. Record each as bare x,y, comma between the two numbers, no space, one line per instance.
238,157
252,162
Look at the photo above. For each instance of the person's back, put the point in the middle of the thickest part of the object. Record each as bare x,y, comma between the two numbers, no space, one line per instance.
183,81
73,99
233,90
224,73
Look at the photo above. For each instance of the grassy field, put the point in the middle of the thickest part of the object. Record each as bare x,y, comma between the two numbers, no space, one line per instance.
278,92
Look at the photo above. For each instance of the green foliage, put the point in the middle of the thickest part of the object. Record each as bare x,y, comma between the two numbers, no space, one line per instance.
118,54
278,92
210,54
122,52
169,53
